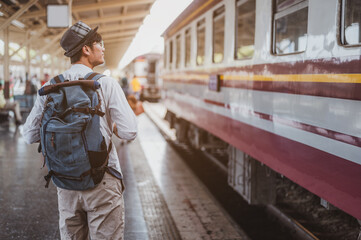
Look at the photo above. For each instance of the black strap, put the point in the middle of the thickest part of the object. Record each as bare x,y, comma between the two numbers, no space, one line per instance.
47,178
53,173
92,111
93,76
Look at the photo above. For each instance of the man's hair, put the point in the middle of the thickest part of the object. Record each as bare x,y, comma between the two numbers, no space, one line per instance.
95,39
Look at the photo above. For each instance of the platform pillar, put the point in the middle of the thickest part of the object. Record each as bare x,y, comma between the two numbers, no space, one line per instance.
6,63
41,67
27,60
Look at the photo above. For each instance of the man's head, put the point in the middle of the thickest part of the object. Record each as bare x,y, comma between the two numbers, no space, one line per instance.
83,45
1,86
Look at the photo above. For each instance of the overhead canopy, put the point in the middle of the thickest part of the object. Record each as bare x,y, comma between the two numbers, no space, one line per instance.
118,22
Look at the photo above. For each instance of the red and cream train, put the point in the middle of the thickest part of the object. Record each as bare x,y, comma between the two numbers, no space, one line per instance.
279,81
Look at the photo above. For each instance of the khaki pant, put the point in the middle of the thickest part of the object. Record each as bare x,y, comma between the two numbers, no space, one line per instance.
98,213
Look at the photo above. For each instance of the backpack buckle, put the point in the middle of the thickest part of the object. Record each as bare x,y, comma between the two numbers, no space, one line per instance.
92,111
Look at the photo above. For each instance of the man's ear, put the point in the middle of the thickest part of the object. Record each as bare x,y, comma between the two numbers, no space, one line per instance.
86,50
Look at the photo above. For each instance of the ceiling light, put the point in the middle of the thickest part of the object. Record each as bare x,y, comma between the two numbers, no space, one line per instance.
18,23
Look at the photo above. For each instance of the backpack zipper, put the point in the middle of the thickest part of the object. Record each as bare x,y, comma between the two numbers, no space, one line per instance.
52,139
84,140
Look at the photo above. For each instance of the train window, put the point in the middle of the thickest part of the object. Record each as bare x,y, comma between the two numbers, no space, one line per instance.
245,28
178,51
188,48
283,4
151,67
351,22
201,38
170,54
218,35
151,72
290,27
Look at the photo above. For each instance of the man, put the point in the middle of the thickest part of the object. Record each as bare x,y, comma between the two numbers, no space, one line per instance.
97,212
12,106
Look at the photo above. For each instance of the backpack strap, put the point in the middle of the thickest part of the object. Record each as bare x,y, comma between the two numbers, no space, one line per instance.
93,76
92,111
96,76
57,79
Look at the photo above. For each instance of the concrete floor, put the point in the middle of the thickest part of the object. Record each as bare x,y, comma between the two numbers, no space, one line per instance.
163,198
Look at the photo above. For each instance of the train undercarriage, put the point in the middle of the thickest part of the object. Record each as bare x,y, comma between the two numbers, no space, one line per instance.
260,185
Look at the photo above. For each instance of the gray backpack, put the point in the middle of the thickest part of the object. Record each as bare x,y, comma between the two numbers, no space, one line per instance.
73,147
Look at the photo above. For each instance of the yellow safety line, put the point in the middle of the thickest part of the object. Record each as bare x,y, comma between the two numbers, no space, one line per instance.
304,229
330,78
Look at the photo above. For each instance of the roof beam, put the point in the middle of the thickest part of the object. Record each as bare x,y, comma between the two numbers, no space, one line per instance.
100,10
89,7
6,10
57,52
51,43
118,40
118,27
29,40
110,4
17,14
119,34
139,14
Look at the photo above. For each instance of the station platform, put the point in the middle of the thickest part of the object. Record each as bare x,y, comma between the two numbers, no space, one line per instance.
163,198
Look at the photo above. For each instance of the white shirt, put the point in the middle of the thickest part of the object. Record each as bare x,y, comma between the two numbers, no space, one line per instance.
113,103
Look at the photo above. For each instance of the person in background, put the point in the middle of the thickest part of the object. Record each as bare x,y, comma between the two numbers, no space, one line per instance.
35,81
12,106
125,86
45,79
136,87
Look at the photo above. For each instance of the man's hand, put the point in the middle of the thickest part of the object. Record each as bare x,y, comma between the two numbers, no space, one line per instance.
115,130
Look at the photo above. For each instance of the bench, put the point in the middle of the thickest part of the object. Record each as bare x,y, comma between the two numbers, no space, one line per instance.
26,103
4,115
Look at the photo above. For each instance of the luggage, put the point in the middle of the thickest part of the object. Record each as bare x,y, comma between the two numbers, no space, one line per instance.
73,147
135,105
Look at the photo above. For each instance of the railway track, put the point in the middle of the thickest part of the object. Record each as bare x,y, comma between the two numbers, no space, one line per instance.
280,221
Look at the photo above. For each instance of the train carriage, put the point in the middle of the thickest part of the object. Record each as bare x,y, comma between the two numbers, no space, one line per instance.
279,82
146,68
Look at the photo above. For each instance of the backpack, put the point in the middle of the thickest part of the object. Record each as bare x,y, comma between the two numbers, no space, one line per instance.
73,147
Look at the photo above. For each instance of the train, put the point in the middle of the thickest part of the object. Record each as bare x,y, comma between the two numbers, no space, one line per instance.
147,68
276,83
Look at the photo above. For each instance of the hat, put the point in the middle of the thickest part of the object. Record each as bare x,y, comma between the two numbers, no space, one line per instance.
75,38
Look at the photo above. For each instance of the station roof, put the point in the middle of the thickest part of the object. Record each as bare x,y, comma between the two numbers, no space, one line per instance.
118,22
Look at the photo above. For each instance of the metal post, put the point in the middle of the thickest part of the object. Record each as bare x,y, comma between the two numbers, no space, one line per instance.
17,14
30,39
41,67
6,63
70,12
52,64
27,60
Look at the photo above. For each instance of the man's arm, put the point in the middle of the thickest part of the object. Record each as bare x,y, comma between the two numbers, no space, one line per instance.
120,112
31,128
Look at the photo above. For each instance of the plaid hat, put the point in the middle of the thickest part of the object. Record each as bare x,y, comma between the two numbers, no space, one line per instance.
75,38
